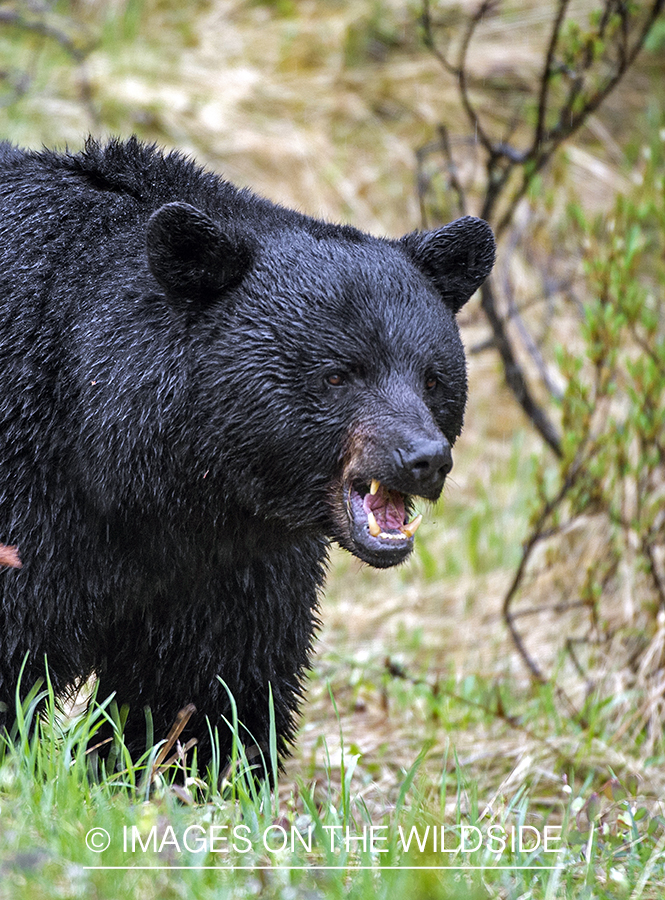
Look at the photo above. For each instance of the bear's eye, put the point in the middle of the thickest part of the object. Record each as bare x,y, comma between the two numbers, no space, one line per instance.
336,379
431,382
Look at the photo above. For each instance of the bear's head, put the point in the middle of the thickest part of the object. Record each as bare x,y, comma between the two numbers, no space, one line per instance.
329,377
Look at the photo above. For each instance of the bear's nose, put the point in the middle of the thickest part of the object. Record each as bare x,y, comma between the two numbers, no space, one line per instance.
427,462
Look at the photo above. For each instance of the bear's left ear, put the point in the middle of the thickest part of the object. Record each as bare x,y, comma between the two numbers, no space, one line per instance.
457,257
191,256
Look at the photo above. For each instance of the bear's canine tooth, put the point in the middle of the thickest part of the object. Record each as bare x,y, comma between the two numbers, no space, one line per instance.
374,529
410,529
374,486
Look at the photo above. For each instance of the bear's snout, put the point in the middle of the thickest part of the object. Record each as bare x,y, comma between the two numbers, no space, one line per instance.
425,463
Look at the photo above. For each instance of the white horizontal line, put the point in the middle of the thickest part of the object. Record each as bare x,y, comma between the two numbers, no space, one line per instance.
328,868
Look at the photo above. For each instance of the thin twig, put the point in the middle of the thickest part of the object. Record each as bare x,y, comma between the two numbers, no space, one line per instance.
513,372
177,728
659,583
534,538
430,41
453,176
513,313
10,17
479,132
546,77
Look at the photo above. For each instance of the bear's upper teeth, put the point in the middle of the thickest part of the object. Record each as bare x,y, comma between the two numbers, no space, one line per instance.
374,486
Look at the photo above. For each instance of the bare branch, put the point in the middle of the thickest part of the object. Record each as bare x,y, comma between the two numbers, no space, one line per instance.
537,534
453,176
10,17
546,77
479,133
513,372
513,313
430,41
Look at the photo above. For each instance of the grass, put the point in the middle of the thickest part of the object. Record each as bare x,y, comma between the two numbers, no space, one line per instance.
558,823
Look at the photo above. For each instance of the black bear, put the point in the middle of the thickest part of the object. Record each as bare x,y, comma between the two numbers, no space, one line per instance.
201,390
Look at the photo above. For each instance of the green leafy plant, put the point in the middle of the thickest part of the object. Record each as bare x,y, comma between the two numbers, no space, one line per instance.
609,488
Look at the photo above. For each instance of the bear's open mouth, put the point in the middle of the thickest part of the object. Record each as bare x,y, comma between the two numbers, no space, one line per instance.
379,522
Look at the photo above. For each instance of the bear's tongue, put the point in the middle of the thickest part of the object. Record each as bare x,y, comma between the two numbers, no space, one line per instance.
387,507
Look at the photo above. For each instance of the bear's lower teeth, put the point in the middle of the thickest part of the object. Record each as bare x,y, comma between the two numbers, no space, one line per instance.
407,530
410,529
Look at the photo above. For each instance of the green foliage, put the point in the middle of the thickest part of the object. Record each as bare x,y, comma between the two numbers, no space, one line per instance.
613,411
655,42
123,22
371,37
611,477
285,8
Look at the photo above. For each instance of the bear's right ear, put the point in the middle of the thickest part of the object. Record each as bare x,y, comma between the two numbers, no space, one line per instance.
190,255
457,257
